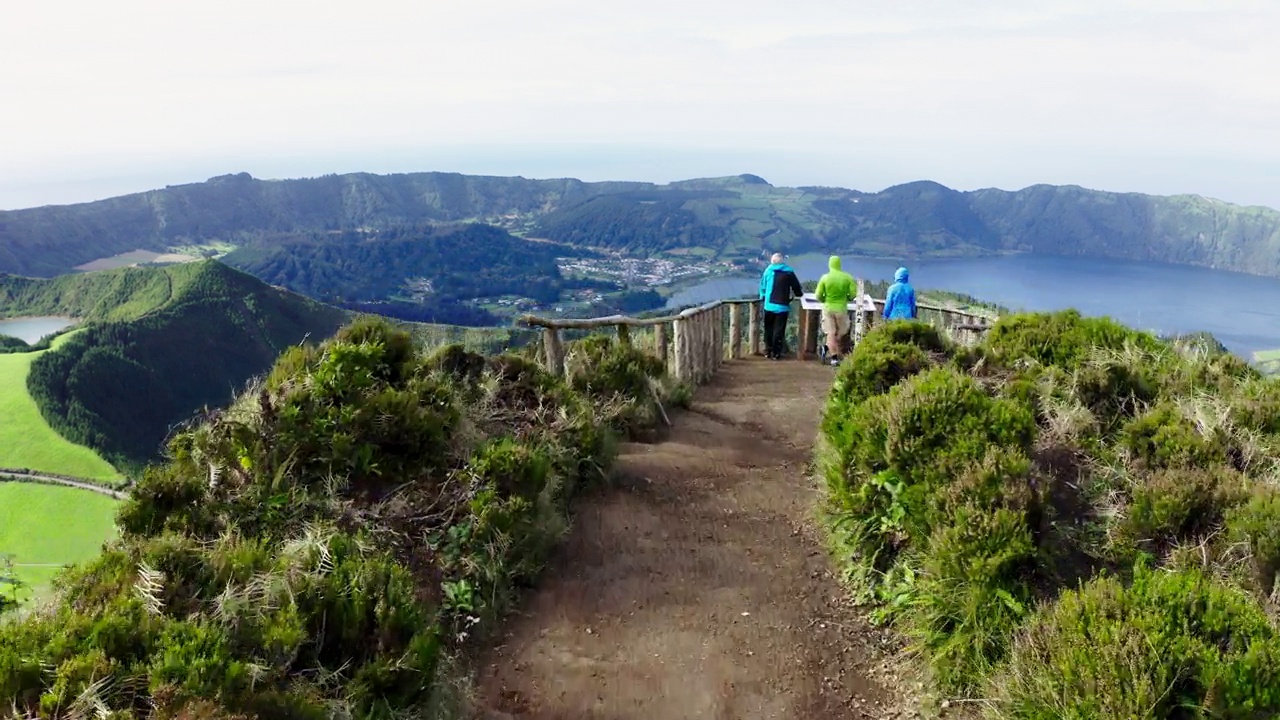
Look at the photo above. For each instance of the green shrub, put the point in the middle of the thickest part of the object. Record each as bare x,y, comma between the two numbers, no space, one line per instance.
897,451
1163,437
601,368
1175,505
1000,479
1062,338
1172,645
313,549
889,354
1256,405
167,500
972,594
871,369
1257,525
1116,389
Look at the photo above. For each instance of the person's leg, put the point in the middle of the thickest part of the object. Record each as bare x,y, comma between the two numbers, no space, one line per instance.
832,329
845,325
769,320
779,338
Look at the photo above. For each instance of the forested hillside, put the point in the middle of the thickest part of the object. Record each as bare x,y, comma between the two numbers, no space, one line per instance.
734,218
118,386
420,273
159,344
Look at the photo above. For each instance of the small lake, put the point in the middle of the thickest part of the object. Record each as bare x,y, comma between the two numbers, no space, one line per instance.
1242,311
31,329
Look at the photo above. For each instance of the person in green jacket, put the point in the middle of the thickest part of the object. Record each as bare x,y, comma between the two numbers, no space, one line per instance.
835,291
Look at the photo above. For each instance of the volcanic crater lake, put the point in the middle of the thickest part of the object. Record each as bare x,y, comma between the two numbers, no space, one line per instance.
31,329
1242,311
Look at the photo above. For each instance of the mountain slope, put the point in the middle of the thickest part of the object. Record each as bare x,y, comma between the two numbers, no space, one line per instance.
117,386
47,241
734,218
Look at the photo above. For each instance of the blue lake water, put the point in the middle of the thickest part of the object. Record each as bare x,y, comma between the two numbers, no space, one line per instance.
31,329
1242,311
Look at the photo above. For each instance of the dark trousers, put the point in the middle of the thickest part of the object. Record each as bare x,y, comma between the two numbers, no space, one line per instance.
775,333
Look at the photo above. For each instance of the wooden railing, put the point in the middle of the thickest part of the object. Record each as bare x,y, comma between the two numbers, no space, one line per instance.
695,342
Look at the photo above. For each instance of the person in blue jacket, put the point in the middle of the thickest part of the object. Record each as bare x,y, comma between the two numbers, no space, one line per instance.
778,285
900,303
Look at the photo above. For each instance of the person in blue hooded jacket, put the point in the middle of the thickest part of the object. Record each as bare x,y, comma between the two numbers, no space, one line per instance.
900,303
778,285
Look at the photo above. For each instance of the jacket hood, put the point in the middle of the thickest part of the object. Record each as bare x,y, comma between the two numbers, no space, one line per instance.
779,266
834,262
901,275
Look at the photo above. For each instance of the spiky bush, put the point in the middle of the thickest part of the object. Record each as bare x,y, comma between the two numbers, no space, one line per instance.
1170,645
313,550
889,354
629,382
969,489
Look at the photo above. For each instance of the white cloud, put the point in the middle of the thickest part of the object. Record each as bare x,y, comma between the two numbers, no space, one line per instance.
1003,92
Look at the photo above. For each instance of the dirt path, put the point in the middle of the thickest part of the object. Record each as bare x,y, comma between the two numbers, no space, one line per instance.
89,485
699,587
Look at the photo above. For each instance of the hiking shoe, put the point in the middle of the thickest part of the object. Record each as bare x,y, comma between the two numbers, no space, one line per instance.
835,360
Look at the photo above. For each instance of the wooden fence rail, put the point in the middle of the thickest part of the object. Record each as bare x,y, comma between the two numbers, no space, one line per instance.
694,343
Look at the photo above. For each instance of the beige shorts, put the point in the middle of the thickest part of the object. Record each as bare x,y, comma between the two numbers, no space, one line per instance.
835,323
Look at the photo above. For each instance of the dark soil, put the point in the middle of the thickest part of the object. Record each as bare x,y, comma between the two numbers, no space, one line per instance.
698,586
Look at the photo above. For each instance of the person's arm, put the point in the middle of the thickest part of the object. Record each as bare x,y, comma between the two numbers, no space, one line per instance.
763,277
821,291
796,288
911,303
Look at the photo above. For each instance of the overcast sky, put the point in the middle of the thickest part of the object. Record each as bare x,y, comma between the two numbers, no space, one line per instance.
1164,96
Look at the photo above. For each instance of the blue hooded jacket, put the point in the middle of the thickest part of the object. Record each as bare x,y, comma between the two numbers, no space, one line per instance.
900,303
778,284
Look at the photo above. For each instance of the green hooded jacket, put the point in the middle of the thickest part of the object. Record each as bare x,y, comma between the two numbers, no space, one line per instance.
837,288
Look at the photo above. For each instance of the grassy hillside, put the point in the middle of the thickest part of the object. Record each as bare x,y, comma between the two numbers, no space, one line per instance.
324,549
732,218
122,294
1073,519
160,344
118,386
44,527
26,439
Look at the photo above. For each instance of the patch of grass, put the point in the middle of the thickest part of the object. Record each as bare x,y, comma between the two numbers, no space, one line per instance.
27,441
43,527
1264,356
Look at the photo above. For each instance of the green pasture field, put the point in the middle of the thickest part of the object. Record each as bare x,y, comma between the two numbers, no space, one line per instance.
43,527
27,441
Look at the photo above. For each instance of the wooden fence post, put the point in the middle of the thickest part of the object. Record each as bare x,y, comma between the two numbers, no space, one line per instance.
753,327
859,324
708,343
704,347
809,340
554,350
624,335
698,349
660,341
735,331
718,319
680,333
